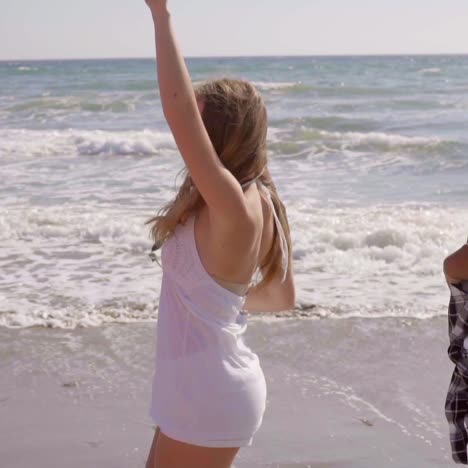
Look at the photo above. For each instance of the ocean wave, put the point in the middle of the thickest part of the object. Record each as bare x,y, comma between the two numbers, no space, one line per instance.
149,142
381,140
309,140
79,225
430,71
82,142
130,143
268,85
75,104
348,92
73,313
326,122
282,141
394,253
27,69
311,311
70,313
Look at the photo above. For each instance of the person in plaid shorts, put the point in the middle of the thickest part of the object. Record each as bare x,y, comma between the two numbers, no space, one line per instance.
456,404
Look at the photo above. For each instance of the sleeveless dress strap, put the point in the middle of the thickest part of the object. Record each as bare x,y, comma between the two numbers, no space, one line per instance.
283,242
251,181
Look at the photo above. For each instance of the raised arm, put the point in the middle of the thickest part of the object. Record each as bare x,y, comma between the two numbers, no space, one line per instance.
218,187
275,296
456,265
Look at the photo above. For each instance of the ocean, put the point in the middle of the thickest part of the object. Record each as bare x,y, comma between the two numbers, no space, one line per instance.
369,155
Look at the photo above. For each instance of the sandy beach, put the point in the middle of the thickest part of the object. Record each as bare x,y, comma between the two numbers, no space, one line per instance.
341,393
369,156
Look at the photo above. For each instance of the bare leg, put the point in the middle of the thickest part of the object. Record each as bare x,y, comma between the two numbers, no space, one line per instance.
150,462
171,453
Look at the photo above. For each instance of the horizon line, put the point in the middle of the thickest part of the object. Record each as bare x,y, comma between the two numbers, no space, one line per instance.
418,54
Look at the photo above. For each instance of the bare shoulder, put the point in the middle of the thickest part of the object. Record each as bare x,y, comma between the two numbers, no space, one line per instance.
234,244
456,265
251,221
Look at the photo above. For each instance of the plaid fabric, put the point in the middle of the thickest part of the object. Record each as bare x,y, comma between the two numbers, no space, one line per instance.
456,404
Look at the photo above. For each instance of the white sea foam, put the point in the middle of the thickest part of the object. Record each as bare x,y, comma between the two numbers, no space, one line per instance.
430,71
75,266
380,139
82,266
375,261
54,105
366,150
265,85
268,85
149,142
82,142
353,139
23,68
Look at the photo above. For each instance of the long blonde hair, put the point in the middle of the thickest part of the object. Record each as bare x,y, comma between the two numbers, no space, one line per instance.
235,117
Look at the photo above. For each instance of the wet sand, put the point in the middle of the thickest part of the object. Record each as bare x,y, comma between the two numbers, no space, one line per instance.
341,393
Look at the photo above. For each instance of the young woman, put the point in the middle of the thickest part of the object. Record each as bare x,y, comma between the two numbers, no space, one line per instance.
225,224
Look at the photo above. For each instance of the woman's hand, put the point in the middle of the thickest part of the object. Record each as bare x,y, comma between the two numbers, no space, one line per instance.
155,5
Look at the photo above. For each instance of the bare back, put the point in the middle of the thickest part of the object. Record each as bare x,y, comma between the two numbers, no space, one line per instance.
231,258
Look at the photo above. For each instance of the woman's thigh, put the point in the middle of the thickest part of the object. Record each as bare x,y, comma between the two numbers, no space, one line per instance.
169,453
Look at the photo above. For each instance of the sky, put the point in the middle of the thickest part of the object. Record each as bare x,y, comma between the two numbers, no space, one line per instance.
47,29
